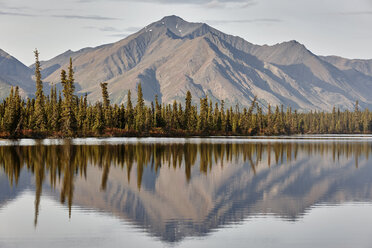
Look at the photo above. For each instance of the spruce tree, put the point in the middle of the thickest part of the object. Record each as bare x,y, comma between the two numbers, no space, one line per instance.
203,116
159,122
129,112
140,114
56,112
106,105
187,114
40,115
69,126
105,95
98,126
12,115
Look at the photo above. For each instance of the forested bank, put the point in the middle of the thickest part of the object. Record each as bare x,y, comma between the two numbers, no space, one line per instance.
64,114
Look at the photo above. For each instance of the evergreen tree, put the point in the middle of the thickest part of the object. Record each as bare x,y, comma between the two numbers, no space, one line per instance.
105,95
106,105
69,125
55,111
40,115
187,120
159,122
129,112
98,126
203,116
13,114
140,110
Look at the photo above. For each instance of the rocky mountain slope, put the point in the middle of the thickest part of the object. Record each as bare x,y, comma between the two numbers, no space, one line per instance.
360,65
13,72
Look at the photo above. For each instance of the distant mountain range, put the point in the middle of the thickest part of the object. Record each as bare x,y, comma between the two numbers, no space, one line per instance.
171,56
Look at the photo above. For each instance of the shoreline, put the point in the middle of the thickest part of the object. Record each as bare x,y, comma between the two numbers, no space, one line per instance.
307,138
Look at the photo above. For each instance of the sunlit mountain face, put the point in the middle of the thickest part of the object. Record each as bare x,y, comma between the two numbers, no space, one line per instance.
186,189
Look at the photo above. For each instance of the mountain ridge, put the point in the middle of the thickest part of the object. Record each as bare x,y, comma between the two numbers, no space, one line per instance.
172,56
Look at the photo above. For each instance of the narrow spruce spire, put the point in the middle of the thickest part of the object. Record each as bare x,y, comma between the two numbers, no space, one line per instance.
40,115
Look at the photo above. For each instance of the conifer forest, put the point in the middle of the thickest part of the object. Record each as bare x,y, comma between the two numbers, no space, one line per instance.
64,114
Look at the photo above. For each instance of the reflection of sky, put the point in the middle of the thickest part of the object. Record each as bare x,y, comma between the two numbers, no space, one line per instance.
86,228
345,225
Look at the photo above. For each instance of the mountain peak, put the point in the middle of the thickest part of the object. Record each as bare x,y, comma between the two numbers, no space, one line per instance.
177,25
172,18
292,43
293,47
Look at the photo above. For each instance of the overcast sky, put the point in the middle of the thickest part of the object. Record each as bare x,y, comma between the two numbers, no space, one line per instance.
326,27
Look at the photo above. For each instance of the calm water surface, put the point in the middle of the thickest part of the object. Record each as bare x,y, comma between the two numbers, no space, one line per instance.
302,191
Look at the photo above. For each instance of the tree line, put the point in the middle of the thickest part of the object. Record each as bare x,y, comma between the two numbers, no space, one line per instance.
64,114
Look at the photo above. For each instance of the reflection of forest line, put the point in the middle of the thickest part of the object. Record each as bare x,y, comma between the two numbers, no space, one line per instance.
63,163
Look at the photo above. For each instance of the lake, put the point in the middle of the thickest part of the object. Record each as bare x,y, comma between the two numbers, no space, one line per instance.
297,191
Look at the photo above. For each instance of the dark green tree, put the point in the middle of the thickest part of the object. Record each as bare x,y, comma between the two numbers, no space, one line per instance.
40,115
69,125
129,112
140,110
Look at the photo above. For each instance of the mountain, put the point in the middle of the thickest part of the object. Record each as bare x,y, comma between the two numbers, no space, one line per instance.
171,56
12,73
360,65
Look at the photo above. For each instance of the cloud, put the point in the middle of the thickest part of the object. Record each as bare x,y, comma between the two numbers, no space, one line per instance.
202,3
85,17
132,29
229,4
256,20
17,8
356,13
214,4
6,13
197,2
103,29
92,17
81,17
126,31
122,35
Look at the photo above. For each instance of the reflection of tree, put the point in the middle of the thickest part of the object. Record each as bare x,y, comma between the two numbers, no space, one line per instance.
38,169
70,167
65,162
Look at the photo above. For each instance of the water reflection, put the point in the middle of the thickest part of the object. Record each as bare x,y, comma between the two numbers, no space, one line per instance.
190,189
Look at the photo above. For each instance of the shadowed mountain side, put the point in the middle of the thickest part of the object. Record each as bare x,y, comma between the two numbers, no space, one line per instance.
172,56
14,73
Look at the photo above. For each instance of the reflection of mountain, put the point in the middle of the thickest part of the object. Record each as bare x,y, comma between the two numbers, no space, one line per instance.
152,187
173,208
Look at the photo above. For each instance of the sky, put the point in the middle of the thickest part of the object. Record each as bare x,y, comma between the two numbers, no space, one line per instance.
326,27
